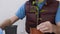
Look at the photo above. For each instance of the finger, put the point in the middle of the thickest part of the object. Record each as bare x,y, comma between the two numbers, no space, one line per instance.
45,29
47,32
41,24
40,27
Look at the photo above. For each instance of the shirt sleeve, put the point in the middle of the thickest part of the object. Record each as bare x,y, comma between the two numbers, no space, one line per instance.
1,31
21,12
57,19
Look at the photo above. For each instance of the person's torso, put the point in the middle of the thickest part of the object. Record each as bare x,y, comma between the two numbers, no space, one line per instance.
47,13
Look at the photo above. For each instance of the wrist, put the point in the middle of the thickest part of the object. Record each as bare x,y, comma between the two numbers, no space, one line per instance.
56,29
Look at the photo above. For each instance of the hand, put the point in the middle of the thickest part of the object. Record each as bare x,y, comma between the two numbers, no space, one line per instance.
45,27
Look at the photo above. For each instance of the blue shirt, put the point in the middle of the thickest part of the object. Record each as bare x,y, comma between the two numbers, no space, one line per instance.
21,12
57,18
1,32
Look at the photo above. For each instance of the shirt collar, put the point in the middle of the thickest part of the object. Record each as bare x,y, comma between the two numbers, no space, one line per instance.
40,5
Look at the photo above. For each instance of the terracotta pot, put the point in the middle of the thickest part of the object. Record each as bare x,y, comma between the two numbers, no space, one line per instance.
35,31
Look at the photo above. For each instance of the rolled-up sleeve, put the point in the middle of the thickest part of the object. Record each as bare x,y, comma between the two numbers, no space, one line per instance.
57,19
21,12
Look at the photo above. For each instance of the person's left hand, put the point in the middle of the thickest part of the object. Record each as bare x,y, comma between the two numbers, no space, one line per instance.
45,27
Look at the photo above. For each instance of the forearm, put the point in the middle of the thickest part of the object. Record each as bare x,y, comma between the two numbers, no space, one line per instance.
9,22
5,23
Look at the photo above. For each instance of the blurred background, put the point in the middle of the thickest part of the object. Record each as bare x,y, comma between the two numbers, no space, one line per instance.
8,8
